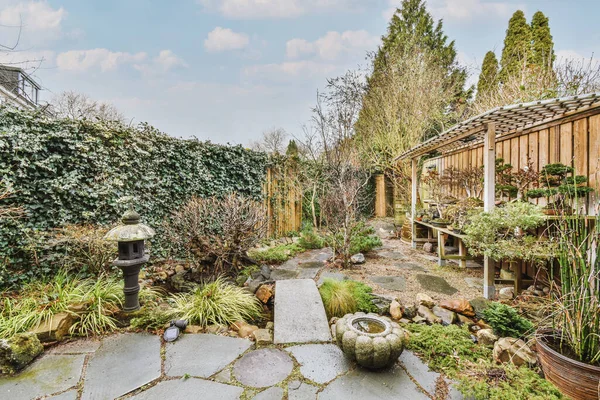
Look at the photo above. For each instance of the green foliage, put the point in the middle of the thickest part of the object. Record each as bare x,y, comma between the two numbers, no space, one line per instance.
558,180
276,254
506,321
345,297
310,238
151,318
74,172
542,43
217,302
488,78
517,46
364,239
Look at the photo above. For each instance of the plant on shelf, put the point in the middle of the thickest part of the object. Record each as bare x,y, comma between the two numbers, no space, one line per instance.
515,184
561,185
435,184
461,212
502,234
504,187
471,180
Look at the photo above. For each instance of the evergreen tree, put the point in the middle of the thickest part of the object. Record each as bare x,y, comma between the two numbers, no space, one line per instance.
542,44
516,54
488,78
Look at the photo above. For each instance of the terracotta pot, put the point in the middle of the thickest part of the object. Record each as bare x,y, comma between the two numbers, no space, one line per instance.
578,380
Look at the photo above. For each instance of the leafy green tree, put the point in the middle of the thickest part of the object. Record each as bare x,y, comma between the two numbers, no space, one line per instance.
542,43
488,79
516,53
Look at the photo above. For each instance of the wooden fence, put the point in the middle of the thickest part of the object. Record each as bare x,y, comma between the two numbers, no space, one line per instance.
283,201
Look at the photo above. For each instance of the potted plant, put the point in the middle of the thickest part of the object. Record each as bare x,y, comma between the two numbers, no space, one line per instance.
460,212
569,352
561,185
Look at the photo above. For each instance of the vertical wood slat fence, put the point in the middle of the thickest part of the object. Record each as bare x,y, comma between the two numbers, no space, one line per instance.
283,201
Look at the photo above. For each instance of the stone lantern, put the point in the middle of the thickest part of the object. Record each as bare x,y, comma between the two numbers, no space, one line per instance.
131,238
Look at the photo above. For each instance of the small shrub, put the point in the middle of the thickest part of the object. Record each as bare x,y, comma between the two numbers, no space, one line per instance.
364,240
217,302
310,239
276,254
151,318
506,321
344,297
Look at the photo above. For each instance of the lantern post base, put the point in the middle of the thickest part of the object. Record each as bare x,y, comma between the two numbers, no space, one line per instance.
131,272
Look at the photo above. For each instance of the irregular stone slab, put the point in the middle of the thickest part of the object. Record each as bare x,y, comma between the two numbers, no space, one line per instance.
184,389
121,364
435,284
202,355
309,270
392,255
390,282
419,371
390,384
336,276
320,363
80,346
299,313
69,395
50,374
303,392
223,376
262,368
283,274
273,393
411,267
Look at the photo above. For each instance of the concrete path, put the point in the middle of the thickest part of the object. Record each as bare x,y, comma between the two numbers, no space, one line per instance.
299,313
202,366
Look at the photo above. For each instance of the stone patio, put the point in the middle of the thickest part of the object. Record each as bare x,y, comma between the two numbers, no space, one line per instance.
139,366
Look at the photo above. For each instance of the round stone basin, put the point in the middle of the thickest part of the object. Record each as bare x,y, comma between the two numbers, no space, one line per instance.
368,325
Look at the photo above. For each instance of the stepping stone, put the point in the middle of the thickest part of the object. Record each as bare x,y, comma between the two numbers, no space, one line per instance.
50,374
283,274
183,389
390,282
304,391
435,284
202,355
309,270
419,371
392,255
81,346
223,376
336,276
69,395
273,393
387,384
123,363
411,267
320,363
299,313
263,368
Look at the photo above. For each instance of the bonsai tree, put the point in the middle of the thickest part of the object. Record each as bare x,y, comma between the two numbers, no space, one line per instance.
461,212
515,184
504,186
560,184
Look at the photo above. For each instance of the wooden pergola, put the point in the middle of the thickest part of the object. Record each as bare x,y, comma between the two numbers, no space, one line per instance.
493,126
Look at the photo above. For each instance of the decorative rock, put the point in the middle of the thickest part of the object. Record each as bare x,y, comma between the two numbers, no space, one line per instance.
479,304
463,320
264,293
428,247
396,310
216,329
263,336
460,306
265,272
418,319
358,259
404,321
255,284
17,352
448,317
486,337
193,329
382,303
429,316
270,325
424,300
506,293
513,350
410,312
55,328
247,331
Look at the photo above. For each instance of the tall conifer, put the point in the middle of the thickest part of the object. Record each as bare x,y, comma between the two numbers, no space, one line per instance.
516,54
542,44
488,79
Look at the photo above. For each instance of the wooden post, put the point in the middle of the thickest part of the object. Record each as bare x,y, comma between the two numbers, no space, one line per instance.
380,198
489,199
413,201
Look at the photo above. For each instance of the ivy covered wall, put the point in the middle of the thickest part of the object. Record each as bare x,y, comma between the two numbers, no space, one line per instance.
76,172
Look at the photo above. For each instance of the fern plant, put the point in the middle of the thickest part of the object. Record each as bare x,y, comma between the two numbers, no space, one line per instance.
506,321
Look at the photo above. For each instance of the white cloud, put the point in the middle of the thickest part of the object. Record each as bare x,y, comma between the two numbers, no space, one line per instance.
462,10
251,9
333,45
568,54
104,59
34,16
162,63
224,39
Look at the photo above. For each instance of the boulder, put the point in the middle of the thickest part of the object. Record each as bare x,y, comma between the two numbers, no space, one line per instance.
479,304
429,316
254,284
55,328
382,303
425,300
513,350
193,329
396,310
464,320
17,352
358,258
486,337
265,271
507,293
264,293
418,319
448,317
180,282
216,329
460,306
263,336
410,312
428,247
243,329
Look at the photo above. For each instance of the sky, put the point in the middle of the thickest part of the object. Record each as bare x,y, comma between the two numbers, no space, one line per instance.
228,70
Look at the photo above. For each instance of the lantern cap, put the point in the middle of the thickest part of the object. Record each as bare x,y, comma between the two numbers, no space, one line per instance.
131,230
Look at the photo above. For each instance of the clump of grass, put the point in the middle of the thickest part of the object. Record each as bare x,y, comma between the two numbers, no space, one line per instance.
276,254
217,302
506,321
151,318
344,297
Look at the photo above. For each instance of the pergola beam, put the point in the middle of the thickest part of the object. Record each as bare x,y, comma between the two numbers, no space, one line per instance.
413,201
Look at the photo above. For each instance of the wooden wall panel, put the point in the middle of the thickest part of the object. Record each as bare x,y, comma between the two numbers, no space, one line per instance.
580,147
544,148
523,150
553,145
566,144
533,150
594,161
506,151
514,153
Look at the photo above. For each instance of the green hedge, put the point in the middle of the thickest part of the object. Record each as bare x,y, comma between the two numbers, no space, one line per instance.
74,172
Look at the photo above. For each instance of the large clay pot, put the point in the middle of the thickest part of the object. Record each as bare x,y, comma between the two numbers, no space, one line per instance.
371,340
579,381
